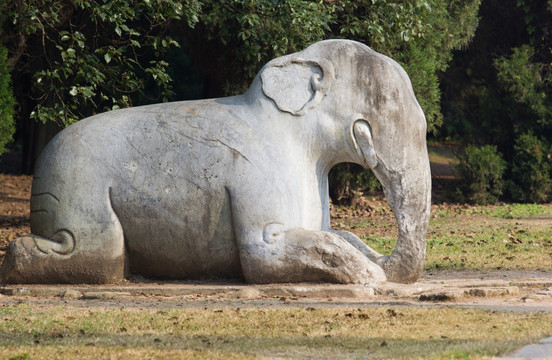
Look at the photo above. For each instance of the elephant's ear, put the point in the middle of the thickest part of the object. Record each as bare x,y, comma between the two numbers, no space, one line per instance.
296,85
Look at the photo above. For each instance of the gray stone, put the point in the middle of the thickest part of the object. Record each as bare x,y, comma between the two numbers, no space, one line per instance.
325,291
543,350
234,187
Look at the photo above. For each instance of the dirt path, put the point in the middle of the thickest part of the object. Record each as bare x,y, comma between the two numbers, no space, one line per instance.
512,290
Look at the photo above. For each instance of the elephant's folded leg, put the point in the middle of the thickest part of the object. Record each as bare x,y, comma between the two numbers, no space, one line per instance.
352,239
33,259
308,256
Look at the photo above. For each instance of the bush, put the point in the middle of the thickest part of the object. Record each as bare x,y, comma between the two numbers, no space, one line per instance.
531,170
346,180
7,102
481,170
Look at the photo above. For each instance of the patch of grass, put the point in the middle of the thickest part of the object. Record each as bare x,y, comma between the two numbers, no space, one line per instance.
507,236
383,245
520,211
69,333
481,242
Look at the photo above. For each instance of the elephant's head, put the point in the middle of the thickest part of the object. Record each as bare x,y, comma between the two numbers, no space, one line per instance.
365,104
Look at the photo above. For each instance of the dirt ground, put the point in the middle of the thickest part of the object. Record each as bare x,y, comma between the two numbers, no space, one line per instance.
14,208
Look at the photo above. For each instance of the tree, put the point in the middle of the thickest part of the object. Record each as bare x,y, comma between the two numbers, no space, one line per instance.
93,55
74,58
238,37
499,91
7,102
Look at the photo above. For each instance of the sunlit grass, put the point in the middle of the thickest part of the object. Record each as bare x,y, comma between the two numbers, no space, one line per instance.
508,236
69,333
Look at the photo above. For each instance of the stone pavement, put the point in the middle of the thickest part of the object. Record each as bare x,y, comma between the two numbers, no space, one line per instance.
543,350
508,294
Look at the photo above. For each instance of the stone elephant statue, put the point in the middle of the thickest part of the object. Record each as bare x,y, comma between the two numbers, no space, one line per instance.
234,187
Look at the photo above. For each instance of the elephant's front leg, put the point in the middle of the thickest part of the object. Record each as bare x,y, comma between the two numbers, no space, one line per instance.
299,255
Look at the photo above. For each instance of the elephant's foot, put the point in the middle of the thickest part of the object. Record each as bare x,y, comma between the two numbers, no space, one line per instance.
33,259
311,256
401,270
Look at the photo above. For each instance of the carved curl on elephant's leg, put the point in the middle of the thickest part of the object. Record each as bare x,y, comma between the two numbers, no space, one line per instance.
307,256
70,243
34,259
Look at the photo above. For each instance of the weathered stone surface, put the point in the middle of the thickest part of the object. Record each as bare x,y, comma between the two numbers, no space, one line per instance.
543,350
321,291
234,187
454,289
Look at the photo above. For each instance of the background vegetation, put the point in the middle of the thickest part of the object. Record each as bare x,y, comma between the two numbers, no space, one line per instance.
480,68
498,91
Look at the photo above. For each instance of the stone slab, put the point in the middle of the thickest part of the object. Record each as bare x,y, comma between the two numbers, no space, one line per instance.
422,291
542,350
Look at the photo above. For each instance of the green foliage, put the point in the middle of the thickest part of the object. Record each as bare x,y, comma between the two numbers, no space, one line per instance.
250,33
423,69
531,169
421,35
499,91
95,55
383,24
89,56
7,103
449,26
528,82
481,169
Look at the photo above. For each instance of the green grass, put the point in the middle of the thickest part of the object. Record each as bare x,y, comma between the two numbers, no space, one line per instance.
519,211
508,236
70,333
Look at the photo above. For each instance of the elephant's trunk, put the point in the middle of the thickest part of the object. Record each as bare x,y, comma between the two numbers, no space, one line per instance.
409,195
